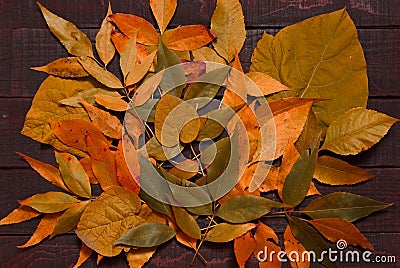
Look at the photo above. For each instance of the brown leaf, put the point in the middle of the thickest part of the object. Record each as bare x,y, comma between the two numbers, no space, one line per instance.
20,214
104,46
266,85
124,174
189,37
130,24
293,245
243,247
84,255
43,230
47,171
335,229
103,161
163,10
112,103
65,67
107,123
185,170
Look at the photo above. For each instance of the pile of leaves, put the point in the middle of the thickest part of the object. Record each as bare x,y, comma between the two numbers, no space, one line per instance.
312,78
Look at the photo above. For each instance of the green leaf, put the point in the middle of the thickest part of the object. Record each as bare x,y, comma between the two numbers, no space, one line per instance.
242,209
186,222
214,126
310,239
201,210
156,205
74,176
147,235
70,218
225,232
343,205
69,35
219,158
357,130
107,218
335,69
50,202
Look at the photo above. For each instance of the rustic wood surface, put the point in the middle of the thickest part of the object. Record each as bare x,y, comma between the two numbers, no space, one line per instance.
25,42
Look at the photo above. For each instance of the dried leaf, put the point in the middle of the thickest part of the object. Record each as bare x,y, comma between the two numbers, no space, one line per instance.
88,96
343,205
20,214
262,59
71,37
130,25
207,54
50,202
227,23
266,85
163,11
293,246
128,57
119,40
140,69
149,215
128,178
225,232
69,219
335,229
271,181
309,134
99,73
73,174
104,46
263,235
65,67
108,124
107,218
334,171
47,171
112,102
183,238
185,170
156,205
357,130
243,247
189,37
86,163
84,255
215,122
147,235
137,257
43,230
186,222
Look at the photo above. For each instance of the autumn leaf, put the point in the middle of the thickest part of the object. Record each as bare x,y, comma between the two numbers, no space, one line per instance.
334,171
137,257
335,229
186,222
183,238
84,255
147,235
114,103
69,218
207,54
357,130
20,214
309,134
343,205
163,11
189,37
104,46
50,202
86,163
185,169
243,247
128,57
227,23
124,174
156,205
107,218
140,69
99,73
88,96
262,59
43,230
225,232
69,35
263,236
293,247
266,85
119,40
65,67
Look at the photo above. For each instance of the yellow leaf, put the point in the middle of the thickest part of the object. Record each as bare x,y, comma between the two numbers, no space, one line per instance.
262,59
293,245
186,222
225,232
107,218
99,73
138,257
84,255
266,85
163,11
128,57
189,37
65,67
88,96
227,23
43,230
112,102
69,219
69,35
50,202
207,54
149,215
140,69
46,106
357,130
20,214
334,171
104,46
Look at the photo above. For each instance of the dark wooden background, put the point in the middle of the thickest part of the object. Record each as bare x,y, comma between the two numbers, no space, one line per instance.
25,42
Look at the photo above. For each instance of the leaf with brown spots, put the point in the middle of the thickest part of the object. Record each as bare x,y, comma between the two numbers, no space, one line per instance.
65,67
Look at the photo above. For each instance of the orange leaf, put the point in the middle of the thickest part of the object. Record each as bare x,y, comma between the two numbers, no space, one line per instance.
103,161
270,263
335,229
84,255
130,24
238,97
189,37
183,238
64,67
20,214
72,132
86,163
264,233
111,102
243,247
47,171
262,237
293,245
163,11
185,170
266,85
119,40
107,123
44,229
124,174
270,182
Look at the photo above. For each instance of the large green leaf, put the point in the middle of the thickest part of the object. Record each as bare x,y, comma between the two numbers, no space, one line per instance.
320,57
147,235
186,222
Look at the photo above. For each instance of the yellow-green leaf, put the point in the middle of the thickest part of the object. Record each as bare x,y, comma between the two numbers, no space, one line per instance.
104,46
163,11
107,218
99,73
50,202
186,222
70,218
357,130
88,96
69,35
227,23
65,67
225,232
334,171
266,85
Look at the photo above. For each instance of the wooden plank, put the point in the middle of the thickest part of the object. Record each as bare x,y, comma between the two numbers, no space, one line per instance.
5,62
13,111
264,13
63,252
18,184
36,47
